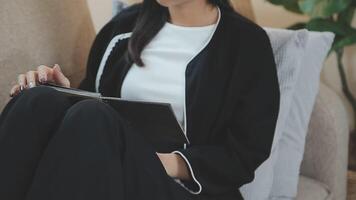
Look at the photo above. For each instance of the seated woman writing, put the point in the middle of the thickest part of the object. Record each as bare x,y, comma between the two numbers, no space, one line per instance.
215,68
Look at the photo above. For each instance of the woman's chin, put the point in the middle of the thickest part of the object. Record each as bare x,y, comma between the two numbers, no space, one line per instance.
169,3
165,3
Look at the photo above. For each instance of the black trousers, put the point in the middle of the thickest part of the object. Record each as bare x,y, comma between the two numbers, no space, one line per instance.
52,148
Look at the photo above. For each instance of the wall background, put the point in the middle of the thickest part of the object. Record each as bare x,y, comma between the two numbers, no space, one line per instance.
266,15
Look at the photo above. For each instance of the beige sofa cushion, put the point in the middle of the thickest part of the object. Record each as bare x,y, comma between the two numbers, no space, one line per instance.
310,189
326,149
35,32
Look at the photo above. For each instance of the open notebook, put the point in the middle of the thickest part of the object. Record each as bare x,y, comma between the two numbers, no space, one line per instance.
155,121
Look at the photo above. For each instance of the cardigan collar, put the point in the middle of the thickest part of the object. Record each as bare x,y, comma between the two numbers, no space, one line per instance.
116,45
115,41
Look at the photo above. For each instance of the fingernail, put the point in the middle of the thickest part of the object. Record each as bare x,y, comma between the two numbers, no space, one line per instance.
59,68
31,84
42,80
21,87
42,77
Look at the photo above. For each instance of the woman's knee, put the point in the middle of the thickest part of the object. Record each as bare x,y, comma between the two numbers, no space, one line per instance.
35,102
42,98
89,108
91,113
39,110
91,120
38,92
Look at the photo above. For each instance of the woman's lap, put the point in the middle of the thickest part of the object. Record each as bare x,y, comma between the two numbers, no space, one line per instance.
87,158
24,133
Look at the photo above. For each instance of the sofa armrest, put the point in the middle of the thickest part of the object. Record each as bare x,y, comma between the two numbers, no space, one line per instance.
326,149
35,32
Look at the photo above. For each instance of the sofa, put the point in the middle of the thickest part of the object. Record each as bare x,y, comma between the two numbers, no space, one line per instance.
36,32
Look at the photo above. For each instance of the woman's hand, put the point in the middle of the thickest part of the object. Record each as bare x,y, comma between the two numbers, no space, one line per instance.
175,165
43,74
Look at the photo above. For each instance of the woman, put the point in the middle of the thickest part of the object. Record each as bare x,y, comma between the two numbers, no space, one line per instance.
214,66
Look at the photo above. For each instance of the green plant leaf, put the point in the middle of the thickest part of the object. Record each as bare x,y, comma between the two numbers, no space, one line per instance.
282,2
297,26
346,41
347,15
291,5
323,8
321,25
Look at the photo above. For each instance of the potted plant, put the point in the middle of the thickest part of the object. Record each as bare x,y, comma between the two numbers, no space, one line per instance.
328,15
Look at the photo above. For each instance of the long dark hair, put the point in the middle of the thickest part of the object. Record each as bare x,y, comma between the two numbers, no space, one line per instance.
151,19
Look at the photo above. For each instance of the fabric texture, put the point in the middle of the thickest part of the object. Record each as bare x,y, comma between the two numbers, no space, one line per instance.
85,150
309,189
325,157
230,130
25,128
327,135
326,148
292,141
288,51
36,32
162,79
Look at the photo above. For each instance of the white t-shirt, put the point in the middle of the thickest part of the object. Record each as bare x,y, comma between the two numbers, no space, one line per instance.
162,79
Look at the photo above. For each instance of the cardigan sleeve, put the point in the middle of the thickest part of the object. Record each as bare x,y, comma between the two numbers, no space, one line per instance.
96,53
102,40
247,140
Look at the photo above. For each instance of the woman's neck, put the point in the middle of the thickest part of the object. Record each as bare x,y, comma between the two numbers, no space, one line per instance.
193,13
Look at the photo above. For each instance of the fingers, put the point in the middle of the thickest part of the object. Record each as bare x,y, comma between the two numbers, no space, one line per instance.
31,78
27,80
21,79
59,77
21,85
15,90
45,74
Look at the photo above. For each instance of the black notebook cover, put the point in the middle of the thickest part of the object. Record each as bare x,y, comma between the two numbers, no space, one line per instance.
155,121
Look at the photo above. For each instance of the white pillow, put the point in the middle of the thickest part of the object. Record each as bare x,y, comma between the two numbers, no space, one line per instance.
289,51
292,141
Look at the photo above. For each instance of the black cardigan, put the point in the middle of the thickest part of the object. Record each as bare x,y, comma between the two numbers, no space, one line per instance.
232,98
